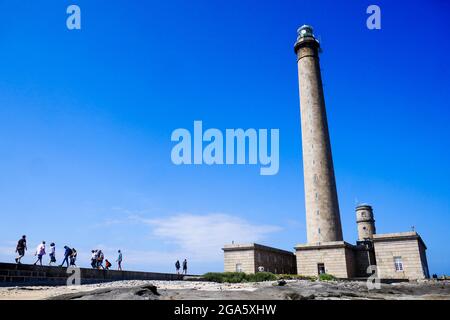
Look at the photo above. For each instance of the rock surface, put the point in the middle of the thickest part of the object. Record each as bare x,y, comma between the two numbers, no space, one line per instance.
195,290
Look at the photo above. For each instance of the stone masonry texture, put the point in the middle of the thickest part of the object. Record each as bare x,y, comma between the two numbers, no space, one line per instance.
323,223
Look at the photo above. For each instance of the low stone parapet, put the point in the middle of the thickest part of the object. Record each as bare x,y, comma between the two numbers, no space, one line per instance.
26,275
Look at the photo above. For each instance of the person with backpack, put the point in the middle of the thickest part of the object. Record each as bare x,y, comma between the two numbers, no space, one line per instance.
185,266
73,257
21,248
107,264
40,252
52,254
67,254
177,266
119,261
100,257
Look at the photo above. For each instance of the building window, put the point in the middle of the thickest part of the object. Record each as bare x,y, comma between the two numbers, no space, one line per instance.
238,267
398,262
320,268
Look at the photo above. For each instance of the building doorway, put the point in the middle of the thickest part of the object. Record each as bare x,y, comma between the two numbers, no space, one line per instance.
321,268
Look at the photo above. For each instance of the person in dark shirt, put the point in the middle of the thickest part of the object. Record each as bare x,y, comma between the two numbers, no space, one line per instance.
177,266
185,266
21,248
73,257
67,254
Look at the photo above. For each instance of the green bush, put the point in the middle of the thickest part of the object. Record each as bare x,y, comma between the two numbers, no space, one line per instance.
238,277
295,277
261,276
326,277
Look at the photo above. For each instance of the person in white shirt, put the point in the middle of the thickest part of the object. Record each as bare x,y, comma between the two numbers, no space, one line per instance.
40,252
52,254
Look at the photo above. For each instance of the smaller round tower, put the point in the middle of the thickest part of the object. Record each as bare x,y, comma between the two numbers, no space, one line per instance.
365,222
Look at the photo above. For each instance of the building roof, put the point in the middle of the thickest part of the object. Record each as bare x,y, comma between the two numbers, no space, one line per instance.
253,246
324,245
398,236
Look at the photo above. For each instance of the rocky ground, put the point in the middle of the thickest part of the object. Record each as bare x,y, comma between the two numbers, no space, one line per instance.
196,290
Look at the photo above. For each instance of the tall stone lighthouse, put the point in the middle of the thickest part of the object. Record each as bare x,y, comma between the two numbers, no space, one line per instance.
400,255
323,222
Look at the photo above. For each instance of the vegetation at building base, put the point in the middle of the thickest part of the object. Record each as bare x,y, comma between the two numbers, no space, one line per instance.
239,277
326,277
295,277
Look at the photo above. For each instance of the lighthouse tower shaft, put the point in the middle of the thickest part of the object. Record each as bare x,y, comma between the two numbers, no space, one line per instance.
323,221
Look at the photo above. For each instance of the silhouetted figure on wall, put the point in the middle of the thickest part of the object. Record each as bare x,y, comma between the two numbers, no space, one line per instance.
119,261
67,254
185,266
177,266
21,248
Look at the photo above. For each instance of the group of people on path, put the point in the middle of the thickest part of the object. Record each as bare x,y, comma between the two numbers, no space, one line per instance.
70,255
97,257
177,266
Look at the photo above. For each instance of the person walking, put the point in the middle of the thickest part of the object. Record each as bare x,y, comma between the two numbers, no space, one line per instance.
67,253
52,253
119,261
21,248
94,259
107,264
73,257
100,257
185,266
177,266
40,252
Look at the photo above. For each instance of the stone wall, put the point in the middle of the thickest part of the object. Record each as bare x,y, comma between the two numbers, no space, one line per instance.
409,246
250,257
23,274
245,258
337,257
275,261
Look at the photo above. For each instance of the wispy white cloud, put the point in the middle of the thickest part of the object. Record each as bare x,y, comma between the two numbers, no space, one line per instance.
201,237
197,237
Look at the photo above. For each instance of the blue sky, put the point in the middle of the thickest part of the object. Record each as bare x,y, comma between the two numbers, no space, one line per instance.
86,118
